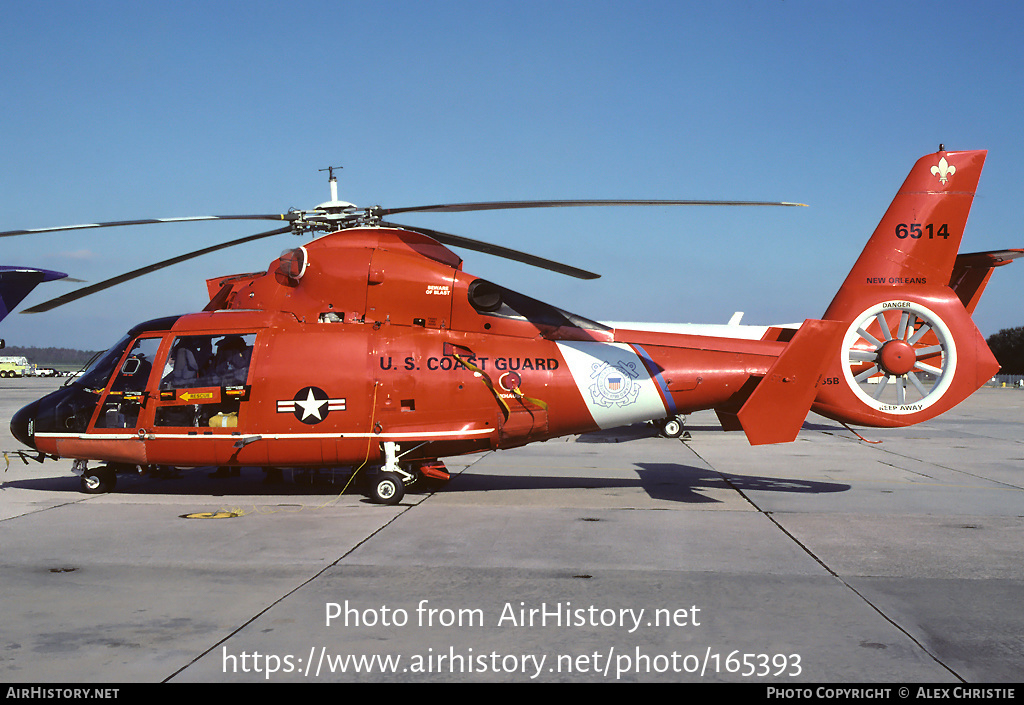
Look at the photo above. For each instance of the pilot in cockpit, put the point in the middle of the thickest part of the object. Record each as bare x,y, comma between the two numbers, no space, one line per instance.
231,363
188,363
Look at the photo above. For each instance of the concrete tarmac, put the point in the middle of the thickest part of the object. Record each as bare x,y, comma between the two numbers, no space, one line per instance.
610,557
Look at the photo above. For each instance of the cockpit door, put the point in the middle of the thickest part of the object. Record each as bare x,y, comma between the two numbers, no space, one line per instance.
127,394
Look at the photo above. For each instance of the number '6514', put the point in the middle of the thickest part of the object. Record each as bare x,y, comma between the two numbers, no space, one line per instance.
915,231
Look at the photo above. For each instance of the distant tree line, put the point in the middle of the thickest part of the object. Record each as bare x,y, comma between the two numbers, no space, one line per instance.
1008,347
50,356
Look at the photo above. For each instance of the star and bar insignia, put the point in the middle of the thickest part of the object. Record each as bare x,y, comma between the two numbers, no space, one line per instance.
311,405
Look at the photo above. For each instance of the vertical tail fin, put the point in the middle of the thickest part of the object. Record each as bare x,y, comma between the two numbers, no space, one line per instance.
911,350
919,236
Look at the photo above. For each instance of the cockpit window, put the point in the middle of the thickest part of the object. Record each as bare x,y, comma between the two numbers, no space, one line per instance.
127,391
98,373
204,361
134,371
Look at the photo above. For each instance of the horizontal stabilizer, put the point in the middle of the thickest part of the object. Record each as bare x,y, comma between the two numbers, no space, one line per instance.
971,273
778,405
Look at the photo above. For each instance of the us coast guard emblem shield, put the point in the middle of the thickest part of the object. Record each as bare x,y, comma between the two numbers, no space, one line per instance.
614,384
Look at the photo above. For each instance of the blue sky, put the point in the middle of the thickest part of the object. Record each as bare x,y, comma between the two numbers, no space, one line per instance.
123,110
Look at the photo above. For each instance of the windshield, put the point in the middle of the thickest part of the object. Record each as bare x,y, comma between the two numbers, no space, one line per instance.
96,375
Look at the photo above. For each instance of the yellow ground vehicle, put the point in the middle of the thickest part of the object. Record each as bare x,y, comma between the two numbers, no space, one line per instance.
13,366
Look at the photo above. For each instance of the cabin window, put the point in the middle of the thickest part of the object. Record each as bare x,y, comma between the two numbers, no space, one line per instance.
204,380
208,361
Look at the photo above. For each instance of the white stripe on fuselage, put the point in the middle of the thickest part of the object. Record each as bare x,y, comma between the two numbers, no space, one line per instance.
713,330
614,383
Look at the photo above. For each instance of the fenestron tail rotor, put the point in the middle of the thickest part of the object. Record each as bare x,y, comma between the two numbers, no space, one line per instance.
901,357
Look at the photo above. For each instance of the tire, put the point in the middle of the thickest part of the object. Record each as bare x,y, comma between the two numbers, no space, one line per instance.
99,481
387,488
672,427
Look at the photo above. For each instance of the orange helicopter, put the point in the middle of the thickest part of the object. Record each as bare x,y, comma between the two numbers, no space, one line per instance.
371,347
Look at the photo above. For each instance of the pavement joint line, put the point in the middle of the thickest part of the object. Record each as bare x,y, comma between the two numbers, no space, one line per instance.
770,517
310,579
959,471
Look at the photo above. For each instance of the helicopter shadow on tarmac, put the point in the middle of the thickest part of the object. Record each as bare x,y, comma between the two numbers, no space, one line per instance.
673,482
667,481
194,482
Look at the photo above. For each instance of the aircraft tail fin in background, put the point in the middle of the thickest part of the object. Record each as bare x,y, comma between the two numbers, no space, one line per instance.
910,349
17,282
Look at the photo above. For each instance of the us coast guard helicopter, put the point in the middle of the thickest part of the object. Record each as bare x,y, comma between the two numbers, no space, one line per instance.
370,347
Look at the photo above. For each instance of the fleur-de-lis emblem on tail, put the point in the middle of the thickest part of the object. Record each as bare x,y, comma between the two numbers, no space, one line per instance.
944,170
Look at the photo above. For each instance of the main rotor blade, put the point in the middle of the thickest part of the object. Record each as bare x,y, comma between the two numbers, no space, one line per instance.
506,205
106,284
498,251
148,221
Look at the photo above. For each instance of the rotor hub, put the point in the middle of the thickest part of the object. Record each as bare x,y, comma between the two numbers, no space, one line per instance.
897,357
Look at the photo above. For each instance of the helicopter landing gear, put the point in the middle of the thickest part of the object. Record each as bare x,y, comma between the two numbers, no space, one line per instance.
102,479
388,485
97,480
387,488
672,427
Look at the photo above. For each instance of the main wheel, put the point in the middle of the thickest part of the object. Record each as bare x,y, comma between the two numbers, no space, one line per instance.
387,488
99,481
672,427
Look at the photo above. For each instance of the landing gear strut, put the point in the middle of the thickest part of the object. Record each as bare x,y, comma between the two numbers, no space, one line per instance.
388,486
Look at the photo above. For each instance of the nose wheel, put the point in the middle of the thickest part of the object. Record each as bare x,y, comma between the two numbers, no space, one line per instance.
900,357
98,480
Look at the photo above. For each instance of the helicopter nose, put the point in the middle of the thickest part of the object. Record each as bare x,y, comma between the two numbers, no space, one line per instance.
23,423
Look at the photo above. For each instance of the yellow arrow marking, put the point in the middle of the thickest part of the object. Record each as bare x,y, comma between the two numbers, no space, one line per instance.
189,396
